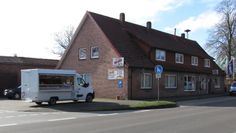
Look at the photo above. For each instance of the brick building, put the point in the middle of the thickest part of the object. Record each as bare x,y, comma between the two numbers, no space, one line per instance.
10,68
188,69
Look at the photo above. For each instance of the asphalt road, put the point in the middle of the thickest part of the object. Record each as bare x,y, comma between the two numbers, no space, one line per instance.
214,115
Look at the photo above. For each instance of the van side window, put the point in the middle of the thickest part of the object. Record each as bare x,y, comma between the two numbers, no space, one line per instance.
81,81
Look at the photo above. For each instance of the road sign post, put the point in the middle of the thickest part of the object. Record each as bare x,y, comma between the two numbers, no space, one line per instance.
158,70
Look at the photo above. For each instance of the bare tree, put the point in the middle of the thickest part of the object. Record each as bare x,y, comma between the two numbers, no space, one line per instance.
222,37
63,39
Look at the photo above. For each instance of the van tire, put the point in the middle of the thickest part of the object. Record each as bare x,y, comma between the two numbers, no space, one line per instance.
38,103
17,96
52,101
89,98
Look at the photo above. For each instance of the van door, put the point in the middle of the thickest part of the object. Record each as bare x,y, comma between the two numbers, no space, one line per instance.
81,91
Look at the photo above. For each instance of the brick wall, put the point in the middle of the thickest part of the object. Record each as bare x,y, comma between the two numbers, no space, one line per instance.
90,35
136,92
10,76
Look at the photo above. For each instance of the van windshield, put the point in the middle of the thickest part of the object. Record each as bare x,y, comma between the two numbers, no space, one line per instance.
81,81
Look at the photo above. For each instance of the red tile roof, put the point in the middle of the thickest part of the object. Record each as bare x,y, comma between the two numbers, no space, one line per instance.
122,36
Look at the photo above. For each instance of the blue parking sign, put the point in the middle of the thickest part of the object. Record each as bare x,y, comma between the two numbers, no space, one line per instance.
120,84
158,69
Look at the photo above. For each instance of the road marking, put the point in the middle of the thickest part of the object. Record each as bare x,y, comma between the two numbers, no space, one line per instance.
7,111
7,125
9,116
21,115
108,114
44,113
63,119
141,111
33,114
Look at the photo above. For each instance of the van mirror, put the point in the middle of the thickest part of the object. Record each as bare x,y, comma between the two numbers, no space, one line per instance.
86,85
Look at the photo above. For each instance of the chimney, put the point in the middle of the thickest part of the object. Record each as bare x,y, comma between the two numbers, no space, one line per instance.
183,35
122,17
175,31
149,25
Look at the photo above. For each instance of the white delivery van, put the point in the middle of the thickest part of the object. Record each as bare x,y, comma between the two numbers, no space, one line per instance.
52,85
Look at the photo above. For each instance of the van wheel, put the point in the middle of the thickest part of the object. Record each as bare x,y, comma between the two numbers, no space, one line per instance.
16,96
52,101
89,98
38,103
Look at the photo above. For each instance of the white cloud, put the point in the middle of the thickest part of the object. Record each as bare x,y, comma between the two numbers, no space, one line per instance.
27,26
203,21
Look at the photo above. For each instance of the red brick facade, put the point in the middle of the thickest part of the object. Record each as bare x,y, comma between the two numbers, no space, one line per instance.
115,39
90,35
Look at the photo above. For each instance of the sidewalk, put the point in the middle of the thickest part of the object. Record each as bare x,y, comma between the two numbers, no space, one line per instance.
185,98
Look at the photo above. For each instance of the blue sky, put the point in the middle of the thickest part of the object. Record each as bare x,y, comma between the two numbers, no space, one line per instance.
27,27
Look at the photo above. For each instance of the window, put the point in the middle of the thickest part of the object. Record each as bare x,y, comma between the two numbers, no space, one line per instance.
194,60
56,82
179,58
87,77
94,52
170,81
189,83
217,82
80,81
82,53
206,62
146,81
160,55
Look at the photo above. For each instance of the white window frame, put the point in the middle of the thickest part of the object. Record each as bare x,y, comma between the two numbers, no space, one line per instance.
91,51
193,83
168,85
80,52
207,63
194,60
143,79
178,57
158,51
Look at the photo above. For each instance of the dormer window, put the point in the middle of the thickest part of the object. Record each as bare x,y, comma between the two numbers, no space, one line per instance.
160,55
207,63
179,58
194,61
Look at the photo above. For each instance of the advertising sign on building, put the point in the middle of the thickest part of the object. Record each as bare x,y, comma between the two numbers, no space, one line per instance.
117,73
118,62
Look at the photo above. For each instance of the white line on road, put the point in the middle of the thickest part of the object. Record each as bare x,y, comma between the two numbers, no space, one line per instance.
140,111
23,115
33,114
62,119
9,116
7,125
107,114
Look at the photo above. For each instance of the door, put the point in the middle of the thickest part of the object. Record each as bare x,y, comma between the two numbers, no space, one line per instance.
80,90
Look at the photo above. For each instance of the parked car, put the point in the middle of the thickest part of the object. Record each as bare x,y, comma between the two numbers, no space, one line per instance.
14,93
232,90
